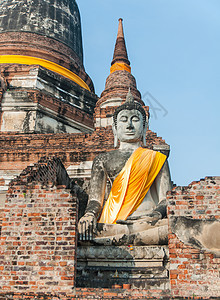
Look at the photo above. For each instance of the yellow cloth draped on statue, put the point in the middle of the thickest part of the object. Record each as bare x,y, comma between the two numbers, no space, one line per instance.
132,184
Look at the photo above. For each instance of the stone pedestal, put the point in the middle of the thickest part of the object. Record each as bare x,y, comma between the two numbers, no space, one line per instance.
144,267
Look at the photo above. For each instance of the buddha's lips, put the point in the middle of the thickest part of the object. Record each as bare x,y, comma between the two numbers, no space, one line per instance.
130,133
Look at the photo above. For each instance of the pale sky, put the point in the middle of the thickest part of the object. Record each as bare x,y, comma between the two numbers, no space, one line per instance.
174,49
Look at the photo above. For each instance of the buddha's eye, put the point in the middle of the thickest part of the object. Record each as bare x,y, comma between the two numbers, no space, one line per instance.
123,119
135,119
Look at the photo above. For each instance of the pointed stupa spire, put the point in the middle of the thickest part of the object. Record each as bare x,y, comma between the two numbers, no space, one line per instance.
120,58
120,79
120,29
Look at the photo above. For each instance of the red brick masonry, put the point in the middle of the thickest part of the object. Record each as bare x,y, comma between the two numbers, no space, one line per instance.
194,272
38,241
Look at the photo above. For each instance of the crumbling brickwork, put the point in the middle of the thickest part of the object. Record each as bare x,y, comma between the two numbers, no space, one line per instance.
38,240
194,271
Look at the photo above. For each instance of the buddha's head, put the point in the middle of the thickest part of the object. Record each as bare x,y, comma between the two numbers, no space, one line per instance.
130,122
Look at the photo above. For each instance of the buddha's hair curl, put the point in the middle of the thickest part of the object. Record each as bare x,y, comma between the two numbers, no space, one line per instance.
129,106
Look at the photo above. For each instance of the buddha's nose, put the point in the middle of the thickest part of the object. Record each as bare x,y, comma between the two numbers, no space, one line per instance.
130,125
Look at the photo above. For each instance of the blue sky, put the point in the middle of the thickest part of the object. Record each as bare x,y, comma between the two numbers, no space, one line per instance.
174,49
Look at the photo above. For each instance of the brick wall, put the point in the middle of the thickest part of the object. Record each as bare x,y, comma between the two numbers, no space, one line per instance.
17,151
194,271
38,240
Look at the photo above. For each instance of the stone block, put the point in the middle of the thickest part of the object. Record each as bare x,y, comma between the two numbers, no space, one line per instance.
141,266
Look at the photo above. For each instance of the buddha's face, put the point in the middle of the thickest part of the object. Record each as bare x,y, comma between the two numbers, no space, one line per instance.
130,126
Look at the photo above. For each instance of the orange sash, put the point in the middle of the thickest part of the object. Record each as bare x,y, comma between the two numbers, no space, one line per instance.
132,184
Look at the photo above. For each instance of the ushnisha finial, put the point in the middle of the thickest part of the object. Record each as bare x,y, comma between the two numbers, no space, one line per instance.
129,98
129,104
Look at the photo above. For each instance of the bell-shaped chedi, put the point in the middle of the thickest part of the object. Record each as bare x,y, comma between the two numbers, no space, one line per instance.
46,33
120,79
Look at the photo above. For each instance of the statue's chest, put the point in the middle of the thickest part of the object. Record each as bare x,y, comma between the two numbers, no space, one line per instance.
115,165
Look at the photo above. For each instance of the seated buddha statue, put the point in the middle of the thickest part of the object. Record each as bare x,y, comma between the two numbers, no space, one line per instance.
134,210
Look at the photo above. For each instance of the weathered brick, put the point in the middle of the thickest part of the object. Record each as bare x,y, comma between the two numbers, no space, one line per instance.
29,258
192,272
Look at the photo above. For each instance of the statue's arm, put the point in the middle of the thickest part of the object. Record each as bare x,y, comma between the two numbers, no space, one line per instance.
96,197
163,184
97,187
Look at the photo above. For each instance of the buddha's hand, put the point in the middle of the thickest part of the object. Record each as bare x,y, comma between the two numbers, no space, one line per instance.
148,218
87,227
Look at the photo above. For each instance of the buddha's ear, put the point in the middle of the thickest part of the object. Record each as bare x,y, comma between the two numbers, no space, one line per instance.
115,135
145,132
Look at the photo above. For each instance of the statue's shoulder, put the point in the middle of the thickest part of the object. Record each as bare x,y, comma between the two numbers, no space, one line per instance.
164,149
159,150
105,156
